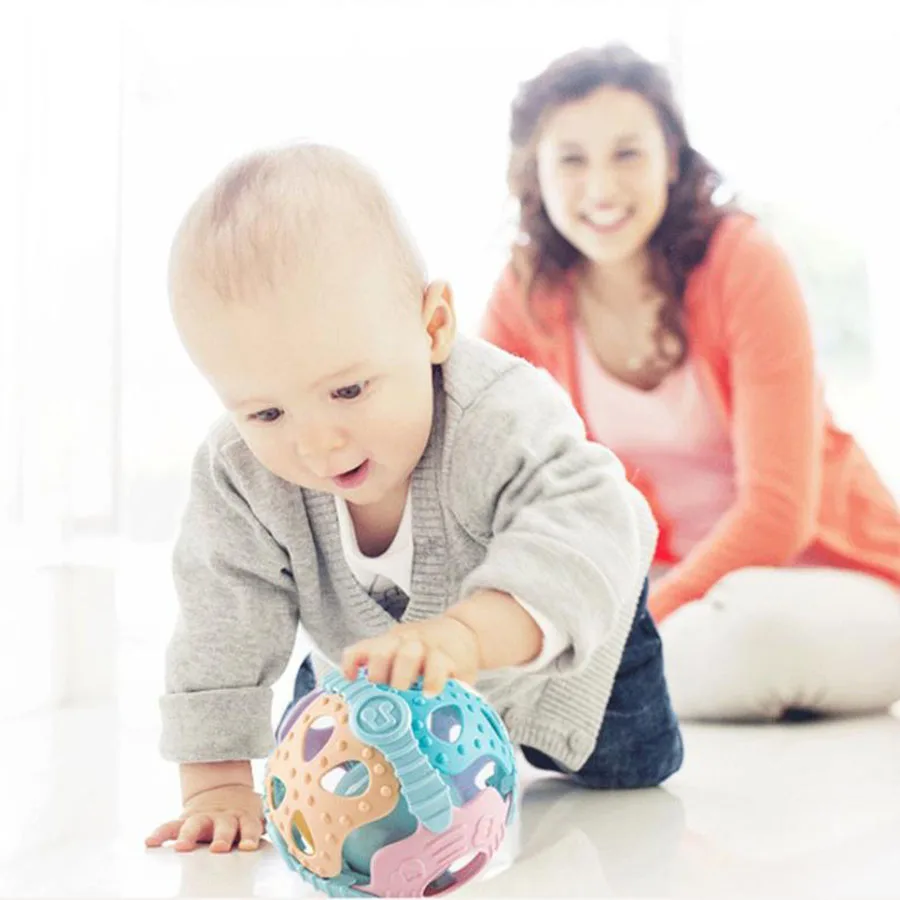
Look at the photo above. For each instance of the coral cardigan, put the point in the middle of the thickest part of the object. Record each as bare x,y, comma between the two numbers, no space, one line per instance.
801,481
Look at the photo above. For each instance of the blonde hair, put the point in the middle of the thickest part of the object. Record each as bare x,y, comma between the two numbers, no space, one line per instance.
274,214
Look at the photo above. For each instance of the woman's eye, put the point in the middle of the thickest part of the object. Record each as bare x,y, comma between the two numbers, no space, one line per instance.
350,392
572,160
267,415
627,153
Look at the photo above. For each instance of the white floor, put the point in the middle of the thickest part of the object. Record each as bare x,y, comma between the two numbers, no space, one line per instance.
807,810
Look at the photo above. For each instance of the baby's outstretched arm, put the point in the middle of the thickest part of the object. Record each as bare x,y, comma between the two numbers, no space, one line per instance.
233,638
488,630
220,808
564,532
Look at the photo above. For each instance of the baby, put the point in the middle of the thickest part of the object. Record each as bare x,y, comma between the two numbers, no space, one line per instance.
419,502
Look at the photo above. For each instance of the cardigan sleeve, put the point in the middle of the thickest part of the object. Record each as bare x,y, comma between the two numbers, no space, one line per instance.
777,422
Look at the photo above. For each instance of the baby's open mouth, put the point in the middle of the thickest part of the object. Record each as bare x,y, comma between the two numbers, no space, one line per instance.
352,478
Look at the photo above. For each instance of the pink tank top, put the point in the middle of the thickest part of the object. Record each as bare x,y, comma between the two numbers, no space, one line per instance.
673,434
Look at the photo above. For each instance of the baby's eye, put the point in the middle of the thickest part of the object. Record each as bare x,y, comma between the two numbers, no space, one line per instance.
572,159
266,415
628,153
350,392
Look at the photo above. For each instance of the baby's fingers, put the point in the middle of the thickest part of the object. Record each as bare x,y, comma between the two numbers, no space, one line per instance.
376,654
408,664
251,832
355,658
167,832
225,828
197,829
438,670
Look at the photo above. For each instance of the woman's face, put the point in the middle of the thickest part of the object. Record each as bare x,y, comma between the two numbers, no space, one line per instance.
604,170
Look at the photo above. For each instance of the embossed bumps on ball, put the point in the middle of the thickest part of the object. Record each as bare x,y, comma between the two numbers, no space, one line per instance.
377,792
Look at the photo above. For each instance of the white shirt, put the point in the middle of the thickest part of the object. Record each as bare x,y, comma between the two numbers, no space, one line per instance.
376,574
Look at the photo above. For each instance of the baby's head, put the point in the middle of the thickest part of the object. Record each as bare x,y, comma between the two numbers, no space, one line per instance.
300,296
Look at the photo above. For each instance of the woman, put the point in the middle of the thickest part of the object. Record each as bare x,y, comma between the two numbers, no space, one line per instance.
679,330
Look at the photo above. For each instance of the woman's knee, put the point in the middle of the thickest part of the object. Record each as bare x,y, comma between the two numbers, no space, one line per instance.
763,641
726,660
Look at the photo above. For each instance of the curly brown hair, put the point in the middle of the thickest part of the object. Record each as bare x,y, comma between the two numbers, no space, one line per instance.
541,254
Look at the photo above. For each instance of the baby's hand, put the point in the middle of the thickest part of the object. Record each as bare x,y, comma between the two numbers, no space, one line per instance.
218,817
436,649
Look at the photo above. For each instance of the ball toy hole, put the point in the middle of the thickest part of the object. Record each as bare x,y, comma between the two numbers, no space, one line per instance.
349,779
461,871
485,774
445,723
317,736
277,792
301,835
291,718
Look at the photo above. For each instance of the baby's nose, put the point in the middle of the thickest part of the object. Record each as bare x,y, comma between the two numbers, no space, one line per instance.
318,450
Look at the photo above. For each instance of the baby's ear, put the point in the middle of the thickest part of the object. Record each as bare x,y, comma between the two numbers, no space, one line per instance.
439,318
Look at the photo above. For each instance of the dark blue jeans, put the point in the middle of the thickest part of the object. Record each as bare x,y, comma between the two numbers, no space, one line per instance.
639,744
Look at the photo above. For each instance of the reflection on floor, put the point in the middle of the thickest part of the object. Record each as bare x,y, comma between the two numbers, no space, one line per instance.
802,810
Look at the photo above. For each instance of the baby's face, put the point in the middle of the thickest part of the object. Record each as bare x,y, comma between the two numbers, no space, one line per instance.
329,383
